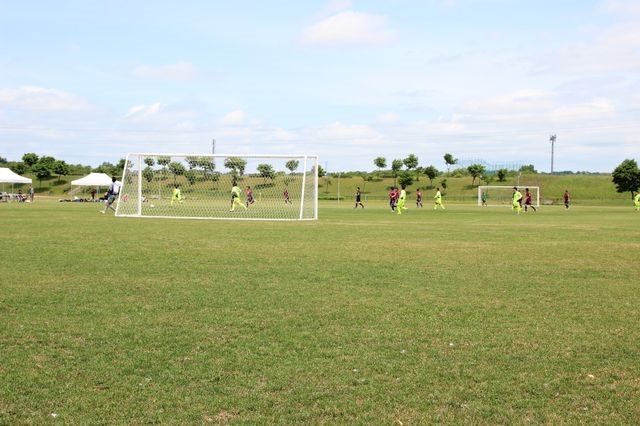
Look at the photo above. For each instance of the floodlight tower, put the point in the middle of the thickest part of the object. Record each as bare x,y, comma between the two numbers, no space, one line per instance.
552,139
213,146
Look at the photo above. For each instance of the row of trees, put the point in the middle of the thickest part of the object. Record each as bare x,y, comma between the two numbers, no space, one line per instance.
205,167
476,171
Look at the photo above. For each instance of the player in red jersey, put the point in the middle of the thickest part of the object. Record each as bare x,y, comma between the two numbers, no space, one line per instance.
527,200
285,194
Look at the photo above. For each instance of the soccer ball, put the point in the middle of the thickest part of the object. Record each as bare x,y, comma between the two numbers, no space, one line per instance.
151,205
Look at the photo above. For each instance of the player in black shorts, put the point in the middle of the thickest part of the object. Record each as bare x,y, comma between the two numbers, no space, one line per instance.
358,198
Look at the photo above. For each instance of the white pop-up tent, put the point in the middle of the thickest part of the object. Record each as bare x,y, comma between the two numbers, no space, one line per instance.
6,175
93,179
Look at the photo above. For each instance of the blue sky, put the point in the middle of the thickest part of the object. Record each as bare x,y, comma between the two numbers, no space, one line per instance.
87,82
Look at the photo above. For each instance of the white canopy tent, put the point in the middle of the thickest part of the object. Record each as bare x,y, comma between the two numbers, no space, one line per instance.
8,176
93,179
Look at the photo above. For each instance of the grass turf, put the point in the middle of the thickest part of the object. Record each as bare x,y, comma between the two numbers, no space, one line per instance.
467,315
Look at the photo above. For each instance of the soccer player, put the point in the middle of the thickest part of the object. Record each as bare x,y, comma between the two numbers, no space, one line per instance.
483,197
249,194
392,199
112,194
517,199
636,201
567,199
418,198
285,194
358,198
235,198
401,200
527,200
438,200
176,196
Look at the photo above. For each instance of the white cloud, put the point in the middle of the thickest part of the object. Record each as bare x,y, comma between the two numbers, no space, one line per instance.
144,111
35,98
233,118
521,101
349,27
388,118
593,110
180,71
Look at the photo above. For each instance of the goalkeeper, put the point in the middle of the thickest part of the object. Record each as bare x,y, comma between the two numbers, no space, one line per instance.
438,199
176,196
636,201
235,198
517,199
401,200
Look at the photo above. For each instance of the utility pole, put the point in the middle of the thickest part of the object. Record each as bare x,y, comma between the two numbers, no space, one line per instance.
213,146
552,139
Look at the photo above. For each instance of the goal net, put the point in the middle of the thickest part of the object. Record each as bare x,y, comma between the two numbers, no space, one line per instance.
503,195
267,187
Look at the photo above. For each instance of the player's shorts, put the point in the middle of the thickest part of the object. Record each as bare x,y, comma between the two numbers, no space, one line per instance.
112,198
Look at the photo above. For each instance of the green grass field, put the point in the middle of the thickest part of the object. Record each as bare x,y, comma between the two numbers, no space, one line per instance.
469,315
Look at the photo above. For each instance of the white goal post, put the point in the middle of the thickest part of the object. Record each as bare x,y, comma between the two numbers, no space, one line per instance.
220,186
503,195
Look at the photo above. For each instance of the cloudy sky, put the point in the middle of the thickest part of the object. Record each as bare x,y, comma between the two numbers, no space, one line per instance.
89,81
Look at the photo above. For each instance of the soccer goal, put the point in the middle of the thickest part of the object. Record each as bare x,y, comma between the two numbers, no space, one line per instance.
187,186
503,195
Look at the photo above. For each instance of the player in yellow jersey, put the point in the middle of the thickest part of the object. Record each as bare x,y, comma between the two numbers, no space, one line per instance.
438,200
401,201
636,201
176,196
235,198
517,199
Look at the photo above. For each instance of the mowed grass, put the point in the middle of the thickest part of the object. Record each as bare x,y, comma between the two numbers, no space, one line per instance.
467,315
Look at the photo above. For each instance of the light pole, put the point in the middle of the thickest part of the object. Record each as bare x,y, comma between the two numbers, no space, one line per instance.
552,139
213,146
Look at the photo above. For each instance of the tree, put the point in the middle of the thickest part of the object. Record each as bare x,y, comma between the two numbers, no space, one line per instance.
443,184
147,173
164,161
405,179
502,175
3,160
396,165
321,172
60,168
627,176
236,165
380,163
176,169
411,162
30,159
292,165
191,176
476,171
120,166
41,170
528,169
192,161
266,171
150,161
431,172
208,165
106,168
18,167
449,161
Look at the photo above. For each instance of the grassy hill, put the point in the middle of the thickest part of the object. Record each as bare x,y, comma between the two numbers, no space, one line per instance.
584,189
